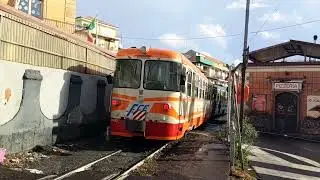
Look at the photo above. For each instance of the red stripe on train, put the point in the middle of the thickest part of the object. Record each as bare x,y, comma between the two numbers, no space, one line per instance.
153,129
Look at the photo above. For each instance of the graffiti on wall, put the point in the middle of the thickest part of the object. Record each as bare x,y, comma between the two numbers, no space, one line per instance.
259,103
5,96
313,106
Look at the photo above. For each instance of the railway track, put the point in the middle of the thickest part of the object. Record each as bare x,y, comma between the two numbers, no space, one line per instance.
116,165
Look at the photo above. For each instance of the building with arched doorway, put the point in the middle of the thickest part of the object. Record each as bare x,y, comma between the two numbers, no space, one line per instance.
285,88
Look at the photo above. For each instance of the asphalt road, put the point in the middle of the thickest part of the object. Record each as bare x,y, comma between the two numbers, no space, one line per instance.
276,157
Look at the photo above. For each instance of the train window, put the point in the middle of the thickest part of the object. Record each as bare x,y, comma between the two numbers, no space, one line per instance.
201,90
189,89
203,97
204,91
207,92
196,89
189,83
162,75
200,87
127,74
183,75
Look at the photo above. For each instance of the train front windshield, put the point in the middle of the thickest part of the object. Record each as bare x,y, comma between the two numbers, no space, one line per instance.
161,75
128,74
158,75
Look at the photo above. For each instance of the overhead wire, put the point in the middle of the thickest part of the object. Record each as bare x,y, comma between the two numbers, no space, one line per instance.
226,36
265,22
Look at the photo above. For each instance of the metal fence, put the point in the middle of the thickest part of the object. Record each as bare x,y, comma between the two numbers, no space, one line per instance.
27,40
234,135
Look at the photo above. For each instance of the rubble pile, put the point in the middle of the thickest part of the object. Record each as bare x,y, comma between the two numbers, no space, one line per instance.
22,159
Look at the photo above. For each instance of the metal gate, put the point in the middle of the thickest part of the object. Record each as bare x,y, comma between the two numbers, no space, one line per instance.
286,112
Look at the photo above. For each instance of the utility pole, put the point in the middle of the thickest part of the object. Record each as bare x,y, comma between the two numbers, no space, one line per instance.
244,64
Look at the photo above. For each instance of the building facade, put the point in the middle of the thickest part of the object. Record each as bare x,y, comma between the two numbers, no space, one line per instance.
285,96
217,71
62,15
106,35
51,10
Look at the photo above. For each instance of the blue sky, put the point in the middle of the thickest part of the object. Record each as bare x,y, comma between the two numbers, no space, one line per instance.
180,24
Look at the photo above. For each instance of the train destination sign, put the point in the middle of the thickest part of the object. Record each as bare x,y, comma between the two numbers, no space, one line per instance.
292,86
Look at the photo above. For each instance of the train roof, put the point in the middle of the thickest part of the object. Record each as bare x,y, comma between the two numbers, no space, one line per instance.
157,53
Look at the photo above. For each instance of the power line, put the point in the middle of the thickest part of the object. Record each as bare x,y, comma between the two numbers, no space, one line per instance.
225,36
182,39
265,22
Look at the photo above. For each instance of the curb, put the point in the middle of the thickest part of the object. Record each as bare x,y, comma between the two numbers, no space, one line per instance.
288,136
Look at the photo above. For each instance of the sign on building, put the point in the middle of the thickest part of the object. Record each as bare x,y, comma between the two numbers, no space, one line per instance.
289,86
313,106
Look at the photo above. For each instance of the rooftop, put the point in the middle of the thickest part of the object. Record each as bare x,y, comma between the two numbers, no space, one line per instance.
99,21
191,53
284,50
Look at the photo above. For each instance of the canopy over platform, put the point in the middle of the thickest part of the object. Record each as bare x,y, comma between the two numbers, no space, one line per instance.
284,50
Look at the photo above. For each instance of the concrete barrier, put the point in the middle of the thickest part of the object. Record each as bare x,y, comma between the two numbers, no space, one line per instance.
43,106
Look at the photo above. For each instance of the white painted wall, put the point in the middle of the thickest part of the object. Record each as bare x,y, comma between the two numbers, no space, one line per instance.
53,92
12,79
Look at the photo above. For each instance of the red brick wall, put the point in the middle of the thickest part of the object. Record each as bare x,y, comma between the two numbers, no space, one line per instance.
260,85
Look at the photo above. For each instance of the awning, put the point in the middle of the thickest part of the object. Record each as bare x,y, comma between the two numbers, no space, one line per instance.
284,50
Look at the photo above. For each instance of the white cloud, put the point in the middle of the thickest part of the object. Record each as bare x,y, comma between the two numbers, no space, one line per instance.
269,35
241,4
214,30
177,42
277,17
172,40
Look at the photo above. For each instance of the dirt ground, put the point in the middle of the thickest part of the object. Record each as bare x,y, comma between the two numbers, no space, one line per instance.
197,156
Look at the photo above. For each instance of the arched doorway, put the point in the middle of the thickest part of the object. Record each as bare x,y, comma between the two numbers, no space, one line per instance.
286,112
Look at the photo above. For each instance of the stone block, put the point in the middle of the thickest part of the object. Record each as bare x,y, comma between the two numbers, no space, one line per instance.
5,142
28,140
16,142
43,136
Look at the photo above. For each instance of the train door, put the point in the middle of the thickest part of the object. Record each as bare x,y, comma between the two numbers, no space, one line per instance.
189,100
183,107
213,99
217,102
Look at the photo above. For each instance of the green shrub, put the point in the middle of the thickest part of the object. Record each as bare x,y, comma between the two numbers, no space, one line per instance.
248,138
249,133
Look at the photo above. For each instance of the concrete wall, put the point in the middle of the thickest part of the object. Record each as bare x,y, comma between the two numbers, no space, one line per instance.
40,106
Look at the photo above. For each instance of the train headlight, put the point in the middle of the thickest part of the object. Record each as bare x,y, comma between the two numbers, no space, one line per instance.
166,107
115,102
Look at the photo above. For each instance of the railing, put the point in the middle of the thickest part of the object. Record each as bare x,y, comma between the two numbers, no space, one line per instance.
27,40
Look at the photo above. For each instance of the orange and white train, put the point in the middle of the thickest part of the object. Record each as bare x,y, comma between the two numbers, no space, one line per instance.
158,94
